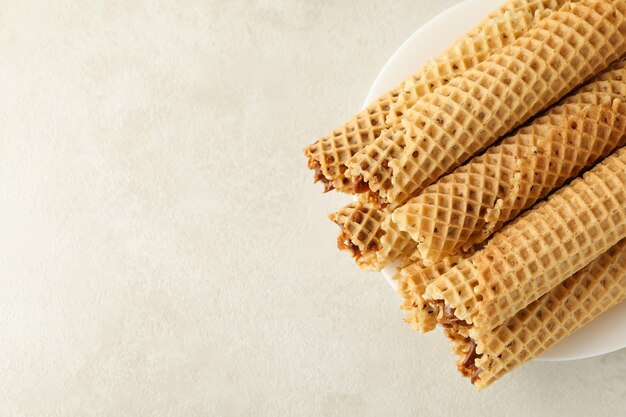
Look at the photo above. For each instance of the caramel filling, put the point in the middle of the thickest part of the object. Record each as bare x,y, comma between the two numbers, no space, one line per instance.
448,320
360,186
319,176
468,366
344,242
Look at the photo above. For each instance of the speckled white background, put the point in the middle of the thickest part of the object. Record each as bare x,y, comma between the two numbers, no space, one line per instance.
163,251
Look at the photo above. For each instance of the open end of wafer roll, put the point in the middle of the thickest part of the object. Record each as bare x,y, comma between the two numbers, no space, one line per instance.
453,312
318,175
360,233
467,350
371,238
412,282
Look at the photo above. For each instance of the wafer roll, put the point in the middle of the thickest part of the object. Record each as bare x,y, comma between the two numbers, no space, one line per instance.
368,234
492,34
412,281
328,155
566,308
457,120
466,207
538,250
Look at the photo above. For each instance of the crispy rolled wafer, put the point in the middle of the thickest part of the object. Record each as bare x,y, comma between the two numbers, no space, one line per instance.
368,234
491,35
467,206
412,281
328,155
444,128
538,250
566,308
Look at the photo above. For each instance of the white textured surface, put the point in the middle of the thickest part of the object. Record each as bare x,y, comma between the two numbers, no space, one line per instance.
163,249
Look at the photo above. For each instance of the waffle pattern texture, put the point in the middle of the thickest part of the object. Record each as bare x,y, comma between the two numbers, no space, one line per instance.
412,281
466,207
328,155
369,235
559,313
468,51
540,249
446,127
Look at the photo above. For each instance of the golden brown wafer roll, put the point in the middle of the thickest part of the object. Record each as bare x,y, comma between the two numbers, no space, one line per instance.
446,127
566,308
538,250
491,34
468,205
328,155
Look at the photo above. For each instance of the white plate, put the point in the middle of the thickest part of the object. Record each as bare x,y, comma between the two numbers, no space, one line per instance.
605,334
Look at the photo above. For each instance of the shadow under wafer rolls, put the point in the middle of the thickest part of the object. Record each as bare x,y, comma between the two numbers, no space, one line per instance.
465,207
570,305
328,155
449,125
537,251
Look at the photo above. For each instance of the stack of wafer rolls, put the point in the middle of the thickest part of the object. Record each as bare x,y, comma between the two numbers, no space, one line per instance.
468,205
538,250
447,126
595,289
502,213
329,154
